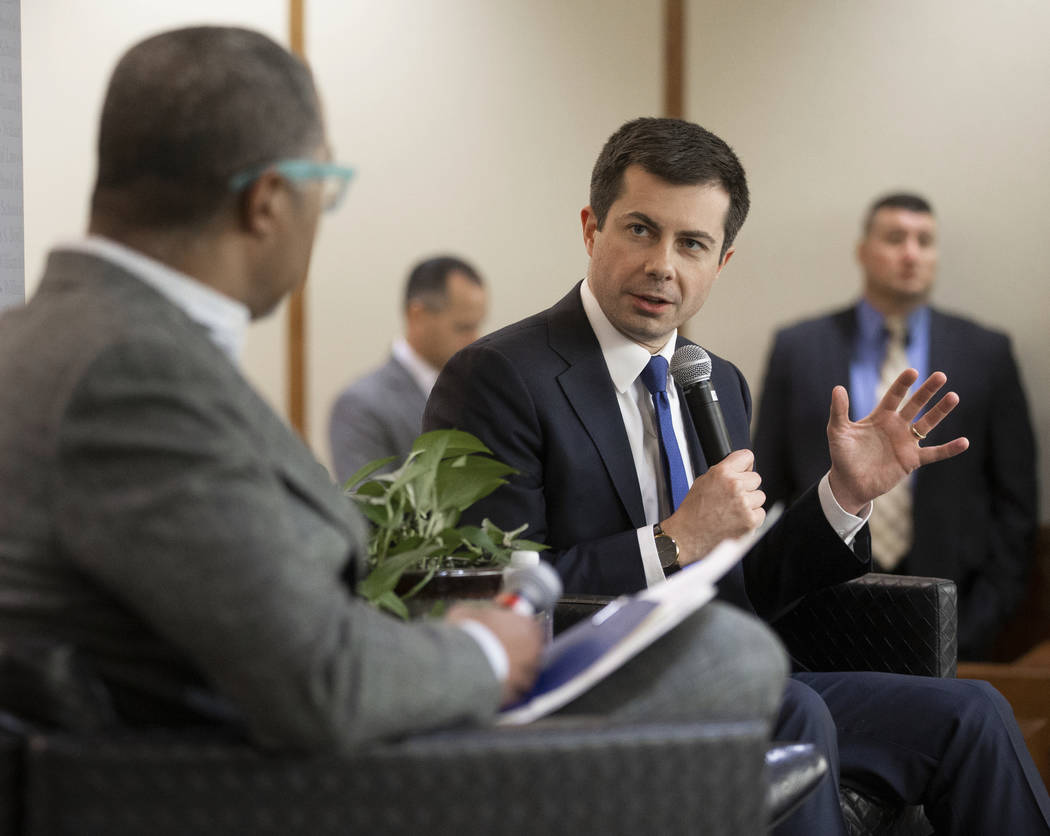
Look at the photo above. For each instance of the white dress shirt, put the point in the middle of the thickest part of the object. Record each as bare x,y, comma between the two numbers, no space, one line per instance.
419,369
225,319
625,360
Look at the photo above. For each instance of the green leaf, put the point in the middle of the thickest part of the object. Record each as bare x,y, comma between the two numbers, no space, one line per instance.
385,576
528,546
377,514
460,486
451,442
479,537
389,601
367,470
370,492
429,454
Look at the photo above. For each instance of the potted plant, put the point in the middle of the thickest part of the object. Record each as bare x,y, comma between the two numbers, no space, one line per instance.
415,512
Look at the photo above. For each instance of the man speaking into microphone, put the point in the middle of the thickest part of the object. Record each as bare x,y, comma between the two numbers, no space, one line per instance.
613,476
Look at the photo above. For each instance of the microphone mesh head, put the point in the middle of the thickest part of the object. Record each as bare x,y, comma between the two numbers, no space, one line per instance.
689,365
540,585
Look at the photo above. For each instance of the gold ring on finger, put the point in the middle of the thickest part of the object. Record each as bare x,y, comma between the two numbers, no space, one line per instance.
918,435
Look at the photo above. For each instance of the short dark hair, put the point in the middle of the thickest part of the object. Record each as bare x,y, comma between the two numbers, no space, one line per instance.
188,109
897,200
674,150
428,281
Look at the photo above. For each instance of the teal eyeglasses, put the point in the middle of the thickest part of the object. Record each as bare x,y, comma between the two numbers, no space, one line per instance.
334,178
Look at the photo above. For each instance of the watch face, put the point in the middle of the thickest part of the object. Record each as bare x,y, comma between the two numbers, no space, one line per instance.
665,548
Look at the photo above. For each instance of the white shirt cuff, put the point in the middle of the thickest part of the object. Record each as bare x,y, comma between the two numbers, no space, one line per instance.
490,645
845,524
654,572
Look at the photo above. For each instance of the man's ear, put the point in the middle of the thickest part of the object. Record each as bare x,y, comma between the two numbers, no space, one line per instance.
861,252
261,204
414,310
590,226
725,258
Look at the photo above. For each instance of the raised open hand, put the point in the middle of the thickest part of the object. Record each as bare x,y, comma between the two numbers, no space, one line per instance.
870,456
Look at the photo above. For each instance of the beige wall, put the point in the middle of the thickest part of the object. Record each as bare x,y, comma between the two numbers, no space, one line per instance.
474,125
830,104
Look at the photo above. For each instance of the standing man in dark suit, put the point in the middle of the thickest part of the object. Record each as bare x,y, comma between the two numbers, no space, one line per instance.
973,519
577,398
160,521
380,414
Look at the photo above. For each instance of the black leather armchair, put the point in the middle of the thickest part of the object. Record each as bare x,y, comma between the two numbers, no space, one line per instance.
554,777
67,767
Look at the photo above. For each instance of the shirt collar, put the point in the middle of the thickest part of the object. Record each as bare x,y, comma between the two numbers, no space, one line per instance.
420,370
623,356
869,322
225,319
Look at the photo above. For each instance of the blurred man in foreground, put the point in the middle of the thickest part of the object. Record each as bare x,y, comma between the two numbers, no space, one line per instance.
159,518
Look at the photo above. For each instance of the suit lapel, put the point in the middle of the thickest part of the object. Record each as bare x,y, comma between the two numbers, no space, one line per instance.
942,351
589,390
832,367
401,379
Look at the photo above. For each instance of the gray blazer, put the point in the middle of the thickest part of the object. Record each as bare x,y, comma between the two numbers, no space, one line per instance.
377,416
158,514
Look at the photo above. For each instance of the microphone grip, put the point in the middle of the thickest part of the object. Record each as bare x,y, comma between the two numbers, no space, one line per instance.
702,401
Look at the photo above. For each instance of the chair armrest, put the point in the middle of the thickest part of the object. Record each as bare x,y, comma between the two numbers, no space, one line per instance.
575,607
562,775
891,623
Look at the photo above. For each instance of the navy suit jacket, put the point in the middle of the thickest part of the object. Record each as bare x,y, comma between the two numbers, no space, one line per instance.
538,393
975,514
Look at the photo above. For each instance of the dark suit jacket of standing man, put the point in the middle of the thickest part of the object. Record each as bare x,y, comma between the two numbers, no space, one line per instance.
375,417
975,515
539,394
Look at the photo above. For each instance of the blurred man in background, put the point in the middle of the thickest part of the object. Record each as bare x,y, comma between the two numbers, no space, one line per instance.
380,414
972,519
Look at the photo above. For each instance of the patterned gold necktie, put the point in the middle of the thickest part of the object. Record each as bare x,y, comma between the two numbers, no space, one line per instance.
891,516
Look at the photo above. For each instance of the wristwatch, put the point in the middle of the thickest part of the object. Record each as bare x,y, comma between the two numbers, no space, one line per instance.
666,549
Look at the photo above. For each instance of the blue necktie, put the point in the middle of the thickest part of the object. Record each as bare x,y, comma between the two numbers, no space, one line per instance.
654,376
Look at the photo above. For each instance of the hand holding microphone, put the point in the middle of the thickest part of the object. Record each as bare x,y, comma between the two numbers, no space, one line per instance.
725,501
512,621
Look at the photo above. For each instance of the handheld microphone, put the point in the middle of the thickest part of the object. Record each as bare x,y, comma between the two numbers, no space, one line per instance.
531,590
691,370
